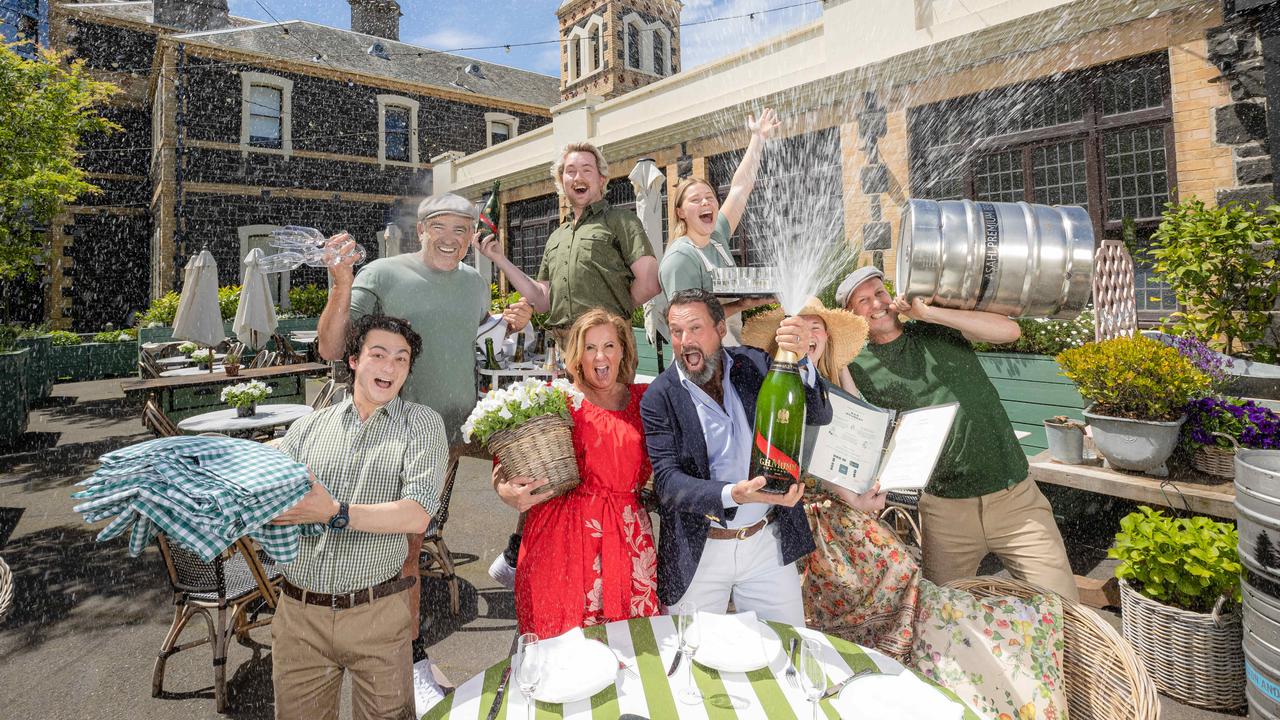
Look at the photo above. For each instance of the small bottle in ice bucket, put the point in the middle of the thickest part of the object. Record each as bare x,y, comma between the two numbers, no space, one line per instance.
490,361
518,355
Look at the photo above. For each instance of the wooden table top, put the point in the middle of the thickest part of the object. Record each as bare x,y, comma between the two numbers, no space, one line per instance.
135,385
1183,489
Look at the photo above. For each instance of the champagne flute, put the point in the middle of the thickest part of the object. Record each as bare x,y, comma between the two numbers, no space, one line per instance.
813,677
688,635
529,667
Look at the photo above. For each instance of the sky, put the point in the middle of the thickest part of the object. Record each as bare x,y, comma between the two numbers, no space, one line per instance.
453,24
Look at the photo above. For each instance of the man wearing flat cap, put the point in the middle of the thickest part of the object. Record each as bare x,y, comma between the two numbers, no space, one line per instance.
444,300
979,498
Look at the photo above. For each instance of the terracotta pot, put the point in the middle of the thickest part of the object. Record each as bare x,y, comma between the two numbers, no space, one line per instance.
232,370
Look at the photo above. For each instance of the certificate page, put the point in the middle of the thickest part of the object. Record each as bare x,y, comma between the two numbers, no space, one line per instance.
847,450
917,442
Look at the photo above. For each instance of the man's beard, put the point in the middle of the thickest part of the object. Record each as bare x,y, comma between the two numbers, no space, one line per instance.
710,368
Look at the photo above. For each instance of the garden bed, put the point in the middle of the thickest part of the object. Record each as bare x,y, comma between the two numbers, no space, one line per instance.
93,361
13,395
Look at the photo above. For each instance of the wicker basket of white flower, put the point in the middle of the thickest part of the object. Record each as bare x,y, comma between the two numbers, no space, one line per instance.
527,426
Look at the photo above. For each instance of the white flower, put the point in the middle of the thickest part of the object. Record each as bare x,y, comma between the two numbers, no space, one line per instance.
504,413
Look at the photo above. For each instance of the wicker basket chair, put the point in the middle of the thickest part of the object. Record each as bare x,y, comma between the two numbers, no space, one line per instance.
435,560
1105,679
227,593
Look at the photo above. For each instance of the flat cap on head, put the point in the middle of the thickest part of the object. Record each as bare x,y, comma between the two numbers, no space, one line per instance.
447,204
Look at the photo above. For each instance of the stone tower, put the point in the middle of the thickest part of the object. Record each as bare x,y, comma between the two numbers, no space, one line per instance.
376,17
609,47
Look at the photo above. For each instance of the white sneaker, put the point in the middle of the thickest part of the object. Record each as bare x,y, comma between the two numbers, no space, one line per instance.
502,573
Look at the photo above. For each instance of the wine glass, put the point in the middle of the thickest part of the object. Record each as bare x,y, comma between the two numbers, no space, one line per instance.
688,636
529,665
813,677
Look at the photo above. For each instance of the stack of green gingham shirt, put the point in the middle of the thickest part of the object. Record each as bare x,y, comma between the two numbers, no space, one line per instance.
202,492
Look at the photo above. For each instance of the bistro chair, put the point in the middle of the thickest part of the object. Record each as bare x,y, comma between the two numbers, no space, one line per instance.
902,514
435,561
157,422
285,354
1105,679
264,358
147,366
332,393
227,592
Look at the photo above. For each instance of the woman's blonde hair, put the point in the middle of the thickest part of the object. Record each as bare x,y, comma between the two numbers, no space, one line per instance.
681,228
557,167
826,364
576,344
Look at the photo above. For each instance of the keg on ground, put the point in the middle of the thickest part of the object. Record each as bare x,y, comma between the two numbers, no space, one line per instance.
1258,523
1015,259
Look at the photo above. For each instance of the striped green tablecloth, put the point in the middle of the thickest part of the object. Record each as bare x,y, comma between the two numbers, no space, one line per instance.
648,644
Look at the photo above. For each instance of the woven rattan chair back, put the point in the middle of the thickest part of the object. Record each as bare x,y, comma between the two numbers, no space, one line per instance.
285,354
1115,308
264,358
147,366
157,422
435,560
1105,679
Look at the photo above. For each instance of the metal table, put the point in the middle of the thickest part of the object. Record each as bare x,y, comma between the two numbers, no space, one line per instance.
189,371
228,421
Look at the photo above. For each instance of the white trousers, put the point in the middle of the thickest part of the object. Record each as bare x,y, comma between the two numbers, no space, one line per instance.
751,572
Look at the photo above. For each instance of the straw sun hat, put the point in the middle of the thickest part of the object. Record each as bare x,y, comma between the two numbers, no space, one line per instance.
846,332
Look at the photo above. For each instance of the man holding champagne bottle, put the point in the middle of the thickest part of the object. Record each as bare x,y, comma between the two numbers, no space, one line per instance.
723,534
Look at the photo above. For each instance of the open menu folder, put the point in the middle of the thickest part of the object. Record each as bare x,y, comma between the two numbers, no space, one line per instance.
864,443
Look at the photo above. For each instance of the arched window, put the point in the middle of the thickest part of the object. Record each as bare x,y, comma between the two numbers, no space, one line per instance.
633,46
593,60
659,53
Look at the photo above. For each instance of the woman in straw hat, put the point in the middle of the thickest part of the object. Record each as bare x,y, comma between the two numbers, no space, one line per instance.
861,583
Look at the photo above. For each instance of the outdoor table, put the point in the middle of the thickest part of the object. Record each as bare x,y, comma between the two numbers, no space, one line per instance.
228,421
1185,489
648,645
188,371
183,360
187,395
506,376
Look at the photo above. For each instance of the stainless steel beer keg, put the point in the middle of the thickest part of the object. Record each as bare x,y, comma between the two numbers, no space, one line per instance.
1258,523
1016,259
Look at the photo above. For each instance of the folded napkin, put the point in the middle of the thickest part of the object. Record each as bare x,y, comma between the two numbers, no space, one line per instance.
574,667
902,697
730,642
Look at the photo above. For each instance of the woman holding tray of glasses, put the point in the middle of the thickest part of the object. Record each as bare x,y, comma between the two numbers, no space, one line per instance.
861,583
588,557
704,226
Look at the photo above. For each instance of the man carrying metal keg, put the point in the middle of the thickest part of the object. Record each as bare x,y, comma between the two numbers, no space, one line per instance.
978,499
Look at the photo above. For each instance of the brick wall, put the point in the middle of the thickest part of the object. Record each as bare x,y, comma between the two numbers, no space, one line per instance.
1204,165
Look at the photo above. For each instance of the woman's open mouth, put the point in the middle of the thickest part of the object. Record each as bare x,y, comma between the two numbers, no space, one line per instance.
707,217
602,372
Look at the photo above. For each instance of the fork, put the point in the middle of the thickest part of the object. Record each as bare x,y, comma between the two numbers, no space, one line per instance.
791,667
622,665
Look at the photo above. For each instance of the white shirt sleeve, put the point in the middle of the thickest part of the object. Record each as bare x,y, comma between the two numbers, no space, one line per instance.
726,496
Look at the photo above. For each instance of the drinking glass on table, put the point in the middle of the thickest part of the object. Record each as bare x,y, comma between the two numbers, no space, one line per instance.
688,637
813,677
529,668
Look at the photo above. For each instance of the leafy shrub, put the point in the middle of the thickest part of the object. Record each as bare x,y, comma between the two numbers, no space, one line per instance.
113,336
499,302
33,331
1136,378
9,335
308,300
1221,264
161,310
63,338
637,317
228,300
1046,337
1185,562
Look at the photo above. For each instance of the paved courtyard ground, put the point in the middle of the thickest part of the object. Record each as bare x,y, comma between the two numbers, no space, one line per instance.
88,619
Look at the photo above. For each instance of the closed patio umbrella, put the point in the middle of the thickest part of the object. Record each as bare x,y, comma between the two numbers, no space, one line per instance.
198,318
256,314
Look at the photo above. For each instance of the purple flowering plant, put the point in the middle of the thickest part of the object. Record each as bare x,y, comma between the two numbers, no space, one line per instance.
1208,361
1250,424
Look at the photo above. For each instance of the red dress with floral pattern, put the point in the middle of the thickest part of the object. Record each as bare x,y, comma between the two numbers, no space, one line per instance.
588,556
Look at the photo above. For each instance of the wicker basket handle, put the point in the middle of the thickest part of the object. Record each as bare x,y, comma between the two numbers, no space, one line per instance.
1234,444
1216,615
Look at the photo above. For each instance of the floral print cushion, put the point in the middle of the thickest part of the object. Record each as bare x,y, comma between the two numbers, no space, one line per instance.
1001,655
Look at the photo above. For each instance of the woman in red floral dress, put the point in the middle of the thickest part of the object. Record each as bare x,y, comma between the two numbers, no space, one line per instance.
588,556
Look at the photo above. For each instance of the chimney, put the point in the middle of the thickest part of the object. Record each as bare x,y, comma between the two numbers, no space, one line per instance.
191,16
376,17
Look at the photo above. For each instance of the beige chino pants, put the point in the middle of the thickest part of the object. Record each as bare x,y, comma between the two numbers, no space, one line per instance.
1016,524
311,646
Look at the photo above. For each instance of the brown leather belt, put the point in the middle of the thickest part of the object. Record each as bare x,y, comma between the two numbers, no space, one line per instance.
742,533
344,601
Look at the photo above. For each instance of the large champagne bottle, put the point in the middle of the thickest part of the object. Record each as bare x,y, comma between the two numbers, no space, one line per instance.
489,215
779,431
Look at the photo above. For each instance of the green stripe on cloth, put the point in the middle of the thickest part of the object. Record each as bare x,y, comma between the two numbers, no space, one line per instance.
604,704
774,703
786,633
440,710
489,688
653,676
714,696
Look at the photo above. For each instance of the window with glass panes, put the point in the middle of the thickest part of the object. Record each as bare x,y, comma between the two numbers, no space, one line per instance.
1099,138
266,116
396,130
633,46
499,132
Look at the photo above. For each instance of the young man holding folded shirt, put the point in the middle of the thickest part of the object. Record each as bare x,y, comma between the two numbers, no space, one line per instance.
378,462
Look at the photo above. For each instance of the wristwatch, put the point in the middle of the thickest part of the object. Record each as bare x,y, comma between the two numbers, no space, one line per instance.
341,518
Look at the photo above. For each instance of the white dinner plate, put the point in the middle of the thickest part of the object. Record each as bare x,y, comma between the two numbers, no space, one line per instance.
576,672
901,696
771,645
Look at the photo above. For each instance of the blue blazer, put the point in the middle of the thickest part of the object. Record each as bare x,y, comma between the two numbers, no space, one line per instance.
687,497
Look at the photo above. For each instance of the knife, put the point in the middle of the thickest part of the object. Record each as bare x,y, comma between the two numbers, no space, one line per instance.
497,696
674,664
835,689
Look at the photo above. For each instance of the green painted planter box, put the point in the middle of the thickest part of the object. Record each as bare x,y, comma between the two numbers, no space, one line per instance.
164,333
648,355
13,395
1032,389
93,361
39,379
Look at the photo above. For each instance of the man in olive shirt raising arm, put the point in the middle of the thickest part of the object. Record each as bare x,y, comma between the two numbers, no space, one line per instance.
598,257
979,498
377,462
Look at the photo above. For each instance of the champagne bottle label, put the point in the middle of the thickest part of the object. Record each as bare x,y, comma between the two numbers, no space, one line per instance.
779,426
774,459
489,215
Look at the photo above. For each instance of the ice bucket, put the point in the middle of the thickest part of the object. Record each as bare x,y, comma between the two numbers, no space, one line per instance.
1015,259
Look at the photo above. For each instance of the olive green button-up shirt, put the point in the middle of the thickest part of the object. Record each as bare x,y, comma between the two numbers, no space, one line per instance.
588,263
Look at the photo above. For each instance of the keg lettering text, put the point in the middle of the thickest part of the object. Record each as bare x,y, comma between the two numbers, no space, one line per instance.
991,244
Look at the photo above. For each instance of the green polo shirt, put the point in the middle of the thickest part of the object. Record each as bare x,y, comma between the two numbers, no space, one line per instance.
588,263
933,365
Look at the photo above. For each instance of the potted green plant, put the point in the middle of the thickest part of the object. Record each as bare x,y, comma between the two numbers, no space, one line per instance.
203,357
244,397
1180,599
1138,389
231,363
